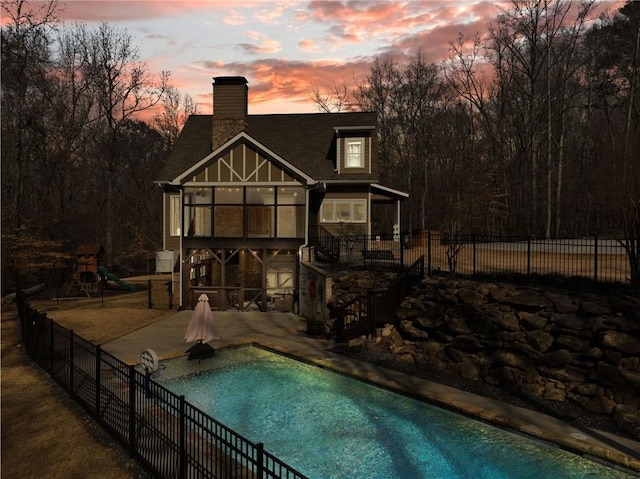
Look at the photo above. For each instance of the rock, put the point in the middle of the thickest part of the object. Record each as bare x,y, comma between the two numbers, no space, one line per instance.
623,342
555,359
470,296
553,393
356,343
409,331
614,376
527,301
469,371
624,414
599,405
571,321
588,389
594,308
531,321
456,355
467,343
564,304
573,343
567,374
428,323
506,358
506,321
458,326
540,340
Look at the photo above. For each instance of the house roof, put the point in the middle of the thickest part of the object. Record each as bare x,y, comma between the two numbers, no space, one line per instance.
306,141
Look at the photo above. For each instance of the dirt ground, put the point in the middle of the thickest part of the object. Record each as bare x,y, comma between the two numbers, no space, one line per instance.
44,433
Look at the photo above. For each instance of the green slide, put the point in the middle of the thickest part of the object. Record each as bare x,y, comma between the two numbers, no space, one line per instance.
113,277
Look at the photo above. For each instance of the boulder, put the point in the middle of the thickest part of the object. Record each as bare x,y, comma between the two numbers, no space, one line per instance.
527,301
622,342
540,340
573,343
595,308
470,296
555,359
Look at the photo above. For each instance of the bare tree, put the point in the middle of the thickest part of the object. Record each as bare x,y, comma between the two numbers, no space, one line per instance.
340,99
123,88
176,108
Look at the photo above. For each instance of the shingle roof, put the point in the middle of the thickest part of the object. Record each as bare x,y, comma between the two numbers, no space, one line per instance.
307,141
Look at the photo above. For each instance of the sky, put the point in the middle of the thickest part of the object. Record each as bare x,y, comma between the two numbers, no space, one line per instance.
285,49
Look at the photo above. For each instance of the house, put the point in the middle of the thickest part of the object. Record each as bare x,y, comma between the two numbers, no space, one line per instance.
244,194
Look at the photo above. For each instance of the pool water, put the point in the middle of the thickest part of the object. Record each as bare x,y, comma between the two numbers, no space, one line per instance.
328,426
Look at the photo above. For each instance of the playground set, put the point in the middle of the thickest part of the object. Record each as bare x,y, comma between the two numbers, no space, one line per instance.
89,276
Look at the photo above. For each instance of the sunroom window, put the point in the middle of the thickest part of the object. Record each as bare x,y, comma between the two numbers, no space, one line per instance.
344,211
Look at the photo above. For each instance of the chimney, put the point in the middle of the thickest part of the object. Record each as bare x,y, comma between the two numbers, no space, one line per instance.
230,99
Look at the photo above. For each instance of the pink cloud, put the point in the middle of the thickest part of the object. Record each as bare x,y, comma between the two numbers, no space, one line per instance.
267,46
234,18
307,45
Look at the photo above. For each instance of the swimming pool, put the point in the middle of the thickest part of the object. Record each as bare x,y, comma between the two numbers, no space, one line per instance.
329,426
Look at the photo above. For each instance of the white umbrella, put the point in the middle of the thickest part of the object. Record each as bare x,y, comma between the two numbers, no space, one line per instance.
201,325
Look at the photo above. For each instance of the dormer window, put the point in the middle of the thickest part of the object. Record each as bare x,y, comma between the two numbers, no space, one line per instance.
354,156
354,153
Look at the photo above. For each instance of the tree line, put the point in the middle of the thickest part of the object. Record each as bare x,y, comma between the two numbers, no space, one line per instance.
532,128
77,160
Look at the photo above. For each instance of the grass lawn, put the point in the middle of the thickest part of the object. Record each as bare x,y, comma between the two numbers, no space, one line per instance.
44,433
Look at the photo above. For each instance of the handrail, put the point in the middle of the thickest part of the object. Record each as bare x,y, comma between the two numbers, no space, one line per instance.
363,313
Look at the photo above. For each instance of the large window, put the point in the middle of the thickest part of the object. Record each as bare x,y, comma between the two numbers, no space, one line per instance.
354,153
229,212
197,211
344,211
291,212
237,212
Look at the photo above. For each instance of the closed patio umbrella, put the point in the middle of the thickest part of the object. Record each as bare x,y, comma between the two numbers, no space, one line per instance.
201,329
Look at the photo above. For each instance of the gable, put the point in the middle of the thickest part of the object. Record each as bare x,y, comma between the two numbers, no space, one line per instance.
243,160
241,164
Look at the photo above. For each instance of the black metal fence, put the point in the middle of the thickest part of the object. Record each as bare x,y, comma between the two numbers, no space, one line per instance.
167,435
587,263
364,313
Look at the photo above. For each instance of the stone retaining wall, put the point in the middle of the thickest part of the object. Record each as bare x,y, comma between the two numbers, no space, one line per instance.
581,348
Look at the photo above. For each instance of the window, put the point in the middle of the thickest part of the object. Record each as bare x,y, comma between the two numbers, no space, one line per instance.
197,211
344,211
354,153
174,215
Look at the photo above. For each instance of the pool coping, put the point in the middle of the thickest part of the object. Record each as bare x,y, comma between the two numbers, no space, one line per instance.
285,334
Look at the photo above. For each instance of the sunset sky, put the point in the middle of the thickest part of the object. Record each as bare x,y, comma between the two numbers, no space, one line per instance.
283,48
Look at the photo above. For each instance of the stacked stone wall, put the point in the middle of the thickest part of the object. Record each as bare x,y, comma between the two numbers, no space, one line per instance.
582,348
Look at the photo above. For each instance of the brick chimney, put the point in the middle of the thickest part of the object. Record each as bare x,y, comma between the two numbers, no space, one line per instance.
230,99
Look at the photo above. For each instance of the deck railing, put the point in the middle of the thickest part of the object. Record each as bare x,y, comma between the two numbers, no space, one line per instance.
167,435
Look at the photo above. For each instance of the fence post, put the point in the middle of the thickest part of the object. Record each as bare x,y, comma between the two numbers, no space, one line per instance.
529,257
429,253
260,460
149,294
183,439
98,380
473,240
132,411
595,261
402,240
71,366
52,350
